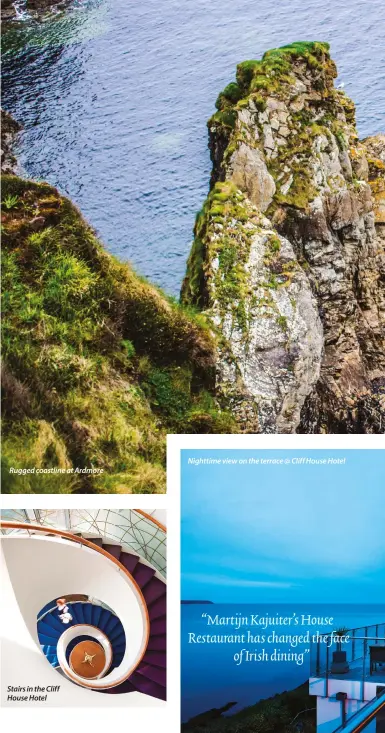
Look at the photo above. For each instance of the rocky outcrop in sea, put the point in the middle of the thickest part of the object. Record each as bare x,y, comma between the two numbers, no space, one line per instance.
9,129
15,10
288,257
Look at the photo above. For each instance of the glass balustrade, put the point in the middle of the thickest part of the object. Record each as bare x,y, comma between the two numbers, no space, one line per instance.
130,528
356,654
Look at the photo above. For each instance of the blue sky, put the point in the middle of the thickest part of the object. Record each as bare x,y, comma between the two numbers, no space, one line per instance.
284,533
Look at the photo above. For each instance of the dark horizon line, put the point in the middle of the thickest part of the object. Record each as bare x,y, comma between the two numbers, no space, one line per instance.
286,603
198,601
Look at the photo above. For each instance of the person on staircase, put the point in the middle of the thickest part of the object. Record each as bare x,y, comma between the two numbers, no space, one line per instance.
65,616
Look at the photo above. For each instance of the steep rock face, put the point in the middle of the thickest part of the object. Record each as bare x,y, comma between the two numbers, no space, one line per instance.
37,9
8,10
261,304
285,139
9,130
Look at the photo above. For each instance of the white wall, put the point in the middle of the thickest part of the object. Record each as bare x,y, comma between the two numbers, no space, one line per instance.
353,688
329,714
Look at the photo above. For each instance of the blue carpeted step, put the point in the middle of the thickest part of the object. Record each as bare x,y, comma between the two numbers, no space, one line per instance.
48,607
50,648
104,619
111,624
120,641
51,628
96,613
48,630
87,613
53,620
49,651
74,613
47,640
52,660
119,649
78,608
117,635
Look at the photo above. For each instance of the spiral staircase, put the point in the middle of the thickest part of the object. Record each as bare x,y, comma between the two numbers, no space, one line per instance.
50,629
141,669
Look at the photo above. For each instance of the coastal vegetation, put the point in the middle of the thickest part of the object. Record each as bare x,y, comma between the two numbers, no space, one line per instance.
98,365
285,712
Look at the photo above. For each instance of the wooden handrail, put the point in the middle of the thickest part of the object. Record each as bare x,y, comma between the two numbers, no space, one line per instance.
95,548
151,518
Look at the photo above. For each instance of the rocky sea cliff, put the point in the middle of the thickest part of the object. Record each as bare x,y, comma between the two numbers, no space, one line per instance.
11,10
288,258
280,328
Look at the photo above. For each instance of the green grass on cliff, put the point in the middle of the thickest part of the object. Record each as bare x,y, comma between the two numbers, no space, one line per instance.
98,365
230,246
217,269
271,75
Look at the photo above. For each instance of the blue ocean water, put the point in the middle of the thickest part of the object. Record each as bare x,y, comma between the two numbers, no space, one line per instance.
211,678
114,97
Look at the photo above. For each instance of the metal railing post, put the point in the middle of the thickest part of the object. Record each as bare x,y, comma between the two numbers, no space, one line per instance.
363,667
318,659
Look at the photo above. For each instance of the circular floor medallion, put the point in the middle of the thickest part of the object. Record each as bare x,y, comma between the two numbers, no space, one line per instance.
87,659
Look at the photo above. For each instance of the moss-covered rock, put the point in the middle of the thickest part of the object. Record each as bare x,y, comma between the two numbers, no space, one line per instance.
375,152
253,290
37,9
285,139
9,129
98,365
